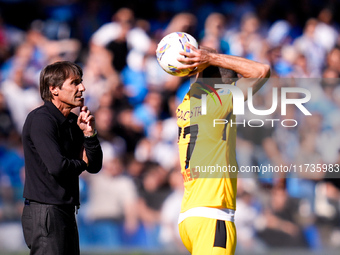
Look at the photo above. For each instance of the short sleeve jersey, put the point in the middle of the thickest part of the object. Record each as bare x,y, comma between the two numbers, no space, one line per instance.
207,142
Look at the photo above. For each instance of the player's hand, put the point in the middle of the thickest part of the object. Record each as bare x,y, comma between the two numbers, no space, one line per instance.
86,121
197,59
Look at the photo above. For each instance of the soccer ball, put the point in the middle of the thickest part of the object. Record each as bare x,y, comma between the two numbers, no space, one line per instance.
168,51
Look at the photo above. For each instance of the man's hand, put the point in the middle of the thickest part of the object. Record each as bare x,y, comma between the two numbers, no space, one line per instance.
198,59
86,121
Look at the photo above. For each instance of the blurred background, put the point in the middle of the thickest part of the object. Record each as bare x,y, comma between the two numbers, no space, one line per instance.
132,205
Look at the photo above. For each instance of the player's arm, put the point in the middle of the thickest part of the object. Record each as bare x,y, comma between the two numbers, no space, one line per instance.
253,73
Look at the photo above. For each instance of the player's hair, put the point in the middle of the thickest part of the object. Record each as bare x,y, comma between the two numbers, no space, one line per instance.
211,72
227,76
227,73
54,75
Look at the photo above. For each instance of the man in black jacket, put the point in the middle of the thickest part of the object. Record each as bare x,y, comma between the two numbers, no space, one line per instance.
58,147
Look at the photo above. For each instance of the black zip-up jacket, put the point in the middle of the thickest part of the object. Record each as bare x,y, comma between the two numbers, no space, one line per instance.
53,147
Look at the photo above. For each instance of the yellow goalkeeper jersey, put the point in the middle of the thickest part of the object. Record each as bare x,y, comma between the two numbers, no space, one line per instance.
207,142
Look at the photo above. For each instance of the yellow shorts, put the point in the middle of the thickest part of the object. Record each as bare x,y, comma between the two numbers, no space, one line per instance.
205,236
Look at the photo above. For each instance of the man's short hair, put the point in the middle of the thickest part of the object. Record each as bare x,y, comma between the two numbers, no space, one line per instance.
227,76
227,73
54,75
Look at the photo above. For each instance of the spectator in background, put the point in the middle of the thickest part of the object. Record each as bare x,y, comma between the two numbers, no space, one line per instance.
22,57
10,38
152,194
129,129
10,204
285,138
11,238
105,116
20,98
11,166
214,28
327,211
121,36
4,43
6,123
150,110
247,42
112,205
248,206
90,16
333,58
280,226
325,31
308,45
101,77
135,169
11,162
156,78
161,140
294,64
303,186
11,182
181,22
47,50
36,50
169,233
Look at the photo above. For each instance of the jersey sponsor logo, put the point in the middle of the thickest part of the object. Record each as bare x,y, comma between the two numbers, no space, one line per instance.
223,92
208,92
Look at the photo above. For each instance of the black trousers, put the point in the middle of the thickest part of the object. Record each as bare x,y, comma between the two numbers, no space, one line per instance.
50,229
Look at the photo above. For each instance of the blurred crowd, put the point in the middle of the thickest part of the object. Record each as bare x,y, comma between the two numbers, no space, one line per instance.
134,202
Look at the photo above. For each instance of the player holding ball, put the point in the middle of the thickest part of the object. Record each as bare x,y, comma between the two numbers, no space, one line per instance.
206,221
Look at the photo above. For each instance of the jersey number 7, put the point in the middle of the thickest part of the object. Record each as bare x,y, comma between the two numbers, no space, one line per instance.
193,131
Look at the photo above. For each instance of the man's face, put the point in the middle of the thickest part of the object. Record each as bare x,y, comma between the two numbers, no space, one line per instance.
70,95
